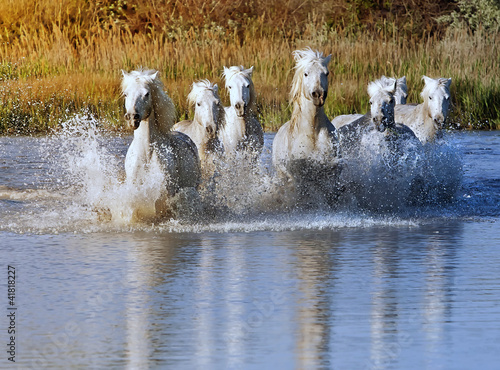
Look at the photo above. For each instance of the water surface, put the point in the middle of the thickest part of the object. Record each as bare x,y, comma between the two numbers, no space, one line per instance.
347,289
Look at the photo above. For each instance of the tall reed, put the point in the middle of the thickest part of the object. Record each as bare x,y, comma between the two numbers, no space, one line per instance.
72,63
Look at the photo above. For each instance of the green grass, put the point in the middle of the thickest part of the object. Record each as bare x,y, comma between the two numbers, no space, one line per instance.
72,65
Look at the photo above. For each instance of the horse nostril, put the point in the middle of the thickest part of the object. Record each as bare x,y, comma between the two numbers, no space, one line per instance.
315,94
127,117
137,116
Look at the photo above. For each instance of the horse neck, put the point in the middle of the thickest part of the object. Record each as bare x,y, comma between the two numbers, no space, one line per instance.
143,139
306,117
426,118
163,117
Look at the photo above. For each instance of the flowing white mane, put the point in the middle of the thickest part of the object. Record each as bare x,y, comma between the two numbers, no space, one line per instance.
386,86
303,59
443,84
141,77
401,87
199,87
230,72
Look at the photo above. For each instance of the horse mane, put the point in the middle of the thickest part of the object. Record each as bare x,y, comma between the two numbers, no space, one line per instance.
432,84
230,72
400,84
384,84
233,71
303,59
149,77
200,86
141,77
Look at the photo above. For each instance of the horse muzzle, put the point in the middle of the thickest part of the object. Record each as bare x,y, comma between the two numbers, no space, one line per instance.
380,124
439,122
134,121
381,127
240,109
319,97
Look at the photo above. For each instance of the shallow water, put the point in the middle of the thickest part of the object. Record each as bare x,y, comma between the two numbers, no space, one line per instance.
266,288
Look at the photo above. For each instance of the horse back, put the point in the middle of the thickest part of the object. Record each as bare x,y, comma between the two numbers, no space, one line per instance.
405,112
345,119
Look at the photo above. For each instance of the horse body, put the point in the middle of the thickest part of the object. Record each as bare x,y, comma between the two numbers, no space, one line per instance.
242,129
208,120
400,96
427,119
375,144
151,113
305,148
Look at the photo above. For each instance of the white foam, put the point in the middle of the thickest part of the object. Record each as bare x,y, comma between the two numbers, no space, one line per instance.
90,193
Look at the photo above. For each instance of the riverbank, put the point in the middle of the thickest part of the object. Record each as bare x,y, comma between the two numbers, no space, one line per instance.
49,74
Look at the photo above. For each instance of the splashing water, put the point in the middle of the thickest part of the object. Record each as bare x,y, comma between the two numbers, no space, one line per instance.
84,190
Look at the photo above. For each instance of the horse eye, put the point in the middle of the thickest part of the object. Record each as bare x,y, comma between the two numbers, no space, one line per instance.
327,73
305,74
430,97
147,94
371,102
230,87
198,104
391,101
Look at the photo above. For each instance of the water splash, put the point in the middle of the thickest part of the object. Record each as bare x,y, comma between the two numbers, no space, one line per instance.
85,190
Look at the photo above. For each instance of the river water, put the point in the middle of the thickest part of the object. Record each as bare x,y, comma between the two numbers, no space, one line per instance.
264,288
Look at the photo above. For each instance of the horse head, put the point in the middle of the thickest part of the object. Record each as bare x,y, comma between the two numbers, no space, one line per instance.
208,110
401,88
240,86
136,88
436,95
311,76
382,102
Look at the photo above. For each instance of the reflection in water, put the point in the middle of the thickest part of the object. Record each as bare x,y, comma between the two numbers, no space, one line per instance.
215,300
316,265
137,315
439,263
384,305
368,299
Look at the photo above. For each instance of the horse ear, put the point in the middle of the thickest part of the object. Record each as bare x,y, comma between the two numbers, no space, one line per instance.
216,89
327,60
154,75
250,71
426,79
372,89
402,80
124,73
394,86
445,81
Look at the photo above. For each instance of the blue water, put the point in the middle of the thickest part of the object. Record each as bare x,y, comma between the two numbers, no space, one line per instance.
314,289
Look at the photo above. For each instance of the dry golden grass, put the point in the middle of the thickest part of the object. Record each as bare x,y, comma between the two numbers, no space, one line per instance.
62,57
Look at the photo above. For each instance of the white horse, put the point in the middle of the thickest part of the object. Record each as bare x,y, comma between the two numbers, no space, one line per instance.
380,118
242,130
400,98
305,148
209,118
427,119
383,159
151,113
